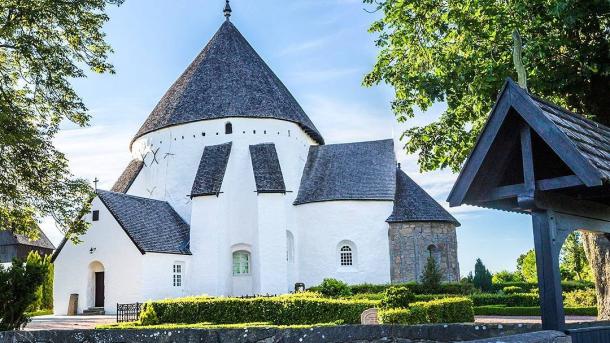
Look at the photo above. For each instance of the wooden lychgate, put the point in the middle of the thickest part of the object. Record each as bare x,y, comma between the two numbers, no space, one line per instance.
537,158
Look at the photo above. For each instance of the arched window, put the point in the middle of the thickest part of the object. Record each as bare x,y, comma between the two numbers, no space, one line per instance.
241,263
289,247
228,128
346,254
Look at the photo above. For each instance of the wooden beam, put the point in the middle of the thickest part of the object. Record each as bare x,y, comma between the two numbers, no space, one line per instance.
511,191
558,183
570,205
547,266
527,157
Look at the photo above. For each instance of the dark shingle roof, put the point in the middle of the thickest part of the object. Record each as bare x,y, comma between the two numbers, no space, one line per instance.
127,177
352,171
211,169
267,170
590,138
413,204
152,225
227,79
9,238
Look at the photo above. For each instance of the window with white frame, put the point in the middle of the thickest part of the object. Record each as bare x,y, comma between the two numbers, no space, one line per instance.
346,256
178,274
241,263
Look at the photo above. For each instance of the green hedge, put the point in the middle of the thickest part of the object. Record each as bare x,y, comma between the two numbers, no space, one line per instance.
449,310
411,316
512,300
567,286
280,310
530,311
456,288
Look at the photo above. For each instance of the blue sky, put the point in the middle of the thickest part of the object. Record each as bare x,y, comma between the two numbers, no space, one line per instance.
319,48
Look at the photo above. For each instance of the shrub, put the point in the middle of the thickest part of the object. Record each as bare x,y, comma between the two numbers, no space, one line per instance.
506,276
512,290
413,315
579,298
482,277
18,291
449,310
498,310
397,297
513,300
148,316
280,310
431,277
334,288
456,288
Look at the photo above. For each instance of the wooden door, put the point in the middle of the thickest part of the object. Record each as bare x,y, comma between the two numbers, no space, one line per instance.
99,289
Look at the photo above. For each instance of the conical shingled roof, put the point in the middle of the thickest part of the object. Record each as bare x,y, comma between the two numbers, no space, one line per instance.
227,79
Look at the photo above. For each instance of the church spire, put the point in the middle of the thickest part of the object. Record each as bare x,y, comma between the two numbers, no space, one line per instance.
227,10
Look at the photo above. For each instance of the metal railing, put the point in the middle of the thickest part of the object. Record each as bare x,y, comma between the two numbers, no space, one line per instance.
128,312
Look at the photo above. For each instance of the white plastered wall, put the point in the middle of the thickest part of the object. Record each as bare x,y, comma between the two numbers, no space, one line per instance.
323,225
114,250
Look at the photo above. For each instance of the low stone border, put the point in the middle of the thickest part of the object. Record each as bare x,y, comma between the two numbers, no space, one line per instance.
346,333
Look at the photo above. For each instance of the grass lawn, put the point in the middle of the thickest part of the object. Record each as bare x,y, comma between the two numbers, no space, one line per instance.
39,313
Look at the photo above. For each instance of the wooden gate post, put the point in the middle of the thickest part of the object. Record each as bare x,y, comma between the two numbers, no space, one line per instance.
547,265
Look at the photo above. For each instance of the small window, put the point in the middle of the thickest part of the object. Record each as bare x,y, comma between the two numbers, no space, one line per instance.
345,256
96,215
241,263
178,272
228,128
289,247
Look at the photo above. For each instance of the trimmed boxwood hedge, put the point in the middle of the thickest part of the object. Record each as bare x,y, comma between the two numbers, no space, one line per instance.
280,310
448,310
456,288
513,300
496,310
567,286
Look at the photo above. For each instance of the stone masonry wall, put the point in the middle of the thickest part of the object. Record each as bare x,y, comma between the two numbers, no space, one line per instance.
412,243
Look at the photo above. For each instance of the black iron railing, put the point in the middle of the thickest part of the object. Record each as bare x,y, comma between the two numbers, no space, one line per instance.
128,312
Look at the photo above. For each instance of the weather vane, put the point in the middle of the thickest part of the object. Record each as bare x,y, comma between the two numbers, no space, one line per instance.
227,10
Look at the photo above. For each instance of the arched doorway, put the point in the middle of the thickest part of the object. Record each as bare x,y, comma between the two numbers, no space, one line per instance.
96,284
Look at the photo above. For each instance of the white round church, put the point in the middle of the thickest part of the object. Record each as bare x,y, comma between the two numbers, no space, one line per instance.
232,191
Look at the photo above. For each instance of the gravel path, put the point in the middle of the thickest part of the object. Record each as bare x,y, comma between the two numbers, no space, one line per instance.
52,322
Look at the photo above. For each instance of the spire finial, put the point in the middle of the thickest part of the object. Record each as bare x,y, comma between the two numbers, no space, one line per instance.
227,10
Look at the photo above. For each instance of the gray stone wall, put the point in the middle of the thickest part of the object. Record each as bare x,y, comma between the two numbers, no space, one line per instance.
412,243
433,333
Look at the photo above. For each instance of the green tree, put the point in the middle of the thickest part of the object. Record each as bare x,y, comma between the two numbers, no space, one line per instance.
460,52
432,275
44,44
19,286
573,258
526,266
506,276
482,277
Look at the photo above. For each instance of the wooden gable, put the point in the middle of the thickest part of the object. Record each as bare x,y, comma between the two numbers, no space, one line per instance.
523,150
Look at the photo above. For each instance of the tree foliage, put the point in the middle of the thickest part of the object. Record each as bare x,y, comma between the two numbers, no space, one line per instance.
460,52
526,266
43,45
506,276
19,290
482,277
432,275
574,260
